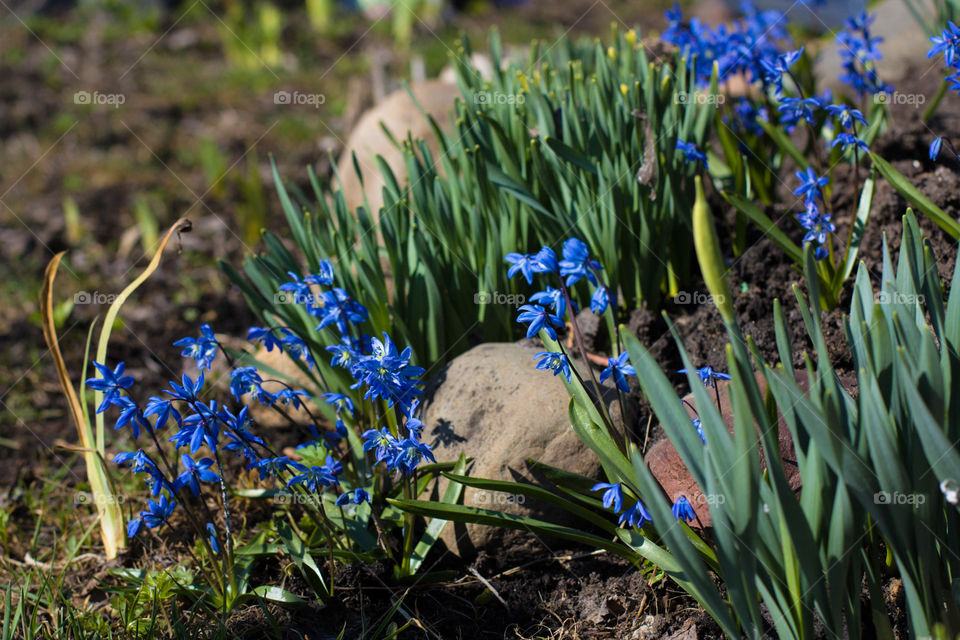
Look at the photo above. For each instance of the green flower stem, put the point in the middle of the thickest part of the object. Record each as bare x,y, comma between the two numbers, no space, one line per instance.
932,107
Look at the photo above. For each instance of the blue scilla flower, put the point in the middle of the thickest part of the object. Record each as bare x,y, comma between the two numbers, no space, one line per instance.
708,376
212,537
520,263
635,517
313,478
539,318
194,473
576,263
157,513
199,428
794,110
810,185
553,361
414,426
698,425
323,276
247,381
683,510
551,298
296,348
277,466
545,261
345,355
141,463
110,383
287,396
381,442
388,374
748,117
935,147
859,52
357,496
266,336
948,44
163,409
619,368
188,391
612,495
298,292
600,300
339,402
336,307
202,349
845,115
408,454
774,69
846,140
691,152
130,414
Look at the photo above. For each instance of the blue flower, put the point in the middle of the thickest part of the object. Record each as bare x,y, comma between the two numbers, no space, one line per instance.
845,115
635,517
357,496
600,300
612,495
691,152
619,369
556,362
212,537
141,463
296,348
188,391
699,427
313,478
708,376
339,401
110,383
796,109
130,414
266,336
408,455
382,442
775,69
522,263
199,428
299,292
810,185
545,261
551,298
576,263
539,318
947,43
277,466
194,473
683,510
935,147
158,512
163,409
848,140
202,349
388,374
336,307
859,53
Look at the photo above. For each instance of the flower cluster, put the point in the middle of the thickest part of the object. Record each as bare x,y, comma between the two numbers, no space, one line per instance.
813,219
947,44
741,48
551,305
380,370
860,53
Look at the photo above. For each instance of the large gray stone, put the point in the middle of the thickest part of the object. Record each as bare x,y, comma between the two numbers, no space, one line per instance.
400,115
492,404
